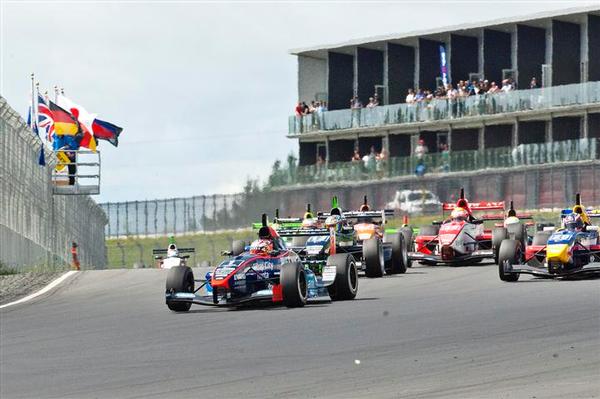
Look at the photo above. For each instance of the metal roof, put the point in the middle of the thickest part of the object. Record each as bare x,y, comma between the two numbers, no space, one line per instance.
410,38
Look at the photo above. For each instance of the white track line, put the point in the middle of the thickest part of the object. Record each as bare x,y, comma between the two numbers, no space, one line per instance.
42,291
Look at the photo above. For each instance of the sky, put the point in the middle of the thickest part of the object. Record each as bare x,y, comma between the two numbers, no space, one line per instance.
203,90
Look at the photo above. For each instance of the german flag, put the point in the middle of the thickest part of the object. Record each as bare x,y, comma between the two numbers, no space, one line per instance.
64,122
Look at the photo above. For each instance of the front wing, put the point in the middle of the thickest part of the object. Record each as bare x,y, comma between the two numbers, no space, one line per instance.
473,256
542,271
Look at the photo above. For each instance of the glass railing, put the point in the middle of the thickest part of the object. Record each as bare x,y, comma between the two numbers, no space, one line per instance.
455,161
442,109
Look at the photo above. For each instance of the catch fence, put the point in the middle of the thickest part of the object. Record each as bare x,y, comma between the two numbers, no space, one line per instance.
37,227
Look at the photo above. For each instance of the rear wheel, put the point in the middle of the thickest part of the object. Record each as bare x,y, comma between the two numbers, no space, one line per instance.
399,254
237,247
510,254
180,279
407,233
345,285
294,287
373,258
499,234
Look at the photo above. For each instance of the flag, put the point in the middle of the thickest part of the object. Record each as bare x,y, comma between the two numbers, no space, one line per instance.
64,122
443,66
42,157
107,131
85,118
45,119
29,117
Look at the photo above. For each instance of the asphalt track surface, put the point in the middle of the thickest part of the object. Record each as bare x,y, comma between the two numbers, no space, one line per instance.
431,333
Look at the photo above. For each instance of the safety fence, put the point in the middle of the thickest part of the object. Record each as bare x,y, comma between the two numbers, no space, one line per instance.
445,162
37,228
205,213
444,109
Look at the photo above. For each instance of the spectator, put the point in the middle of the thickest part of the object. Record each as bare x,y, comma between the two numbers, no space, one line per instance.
410,97
493,88
305,110
324,106
445,157
533,84
420,169
355,103
371,103
356,156
421,149
376,99
419,96
299,109
506,85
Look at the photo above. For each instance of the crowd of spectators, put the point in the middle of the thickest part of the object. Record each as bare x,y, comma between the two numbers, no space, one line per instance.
315,107
463,88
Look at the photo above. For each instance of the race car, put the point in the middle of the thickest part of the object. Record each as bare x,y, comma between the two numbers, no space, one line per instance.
572,250
513,226
460,239
174,256
359,233
266,271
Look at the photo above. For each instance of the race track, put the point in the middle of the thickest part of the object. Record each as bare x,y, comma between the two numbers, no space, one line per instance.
432,333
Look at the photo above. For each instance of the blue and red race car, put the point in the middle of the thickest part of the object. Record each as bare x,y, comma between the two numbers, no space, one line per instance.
264,271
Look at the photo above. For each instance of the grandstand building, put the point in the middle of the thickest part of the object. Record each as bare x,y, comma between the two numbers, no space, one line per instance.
559,121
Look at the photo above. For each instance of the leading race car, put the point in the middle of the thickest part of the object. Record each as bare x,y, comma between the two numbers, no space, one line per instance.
174,256
267,271
459,239
572,250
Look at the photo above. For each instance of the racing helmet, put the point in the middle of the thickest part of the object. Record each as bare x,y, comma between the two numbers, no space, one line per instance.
309,223
334,221
573,222
459,214
511,220
172,250
261,246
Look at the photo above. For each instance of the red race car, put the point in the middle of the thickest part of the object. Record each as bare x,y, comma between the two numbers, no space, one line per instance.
459,239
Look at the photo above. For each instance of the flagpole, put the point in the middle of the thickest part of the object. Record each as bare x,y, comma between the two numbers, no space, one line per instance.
32,110
55,94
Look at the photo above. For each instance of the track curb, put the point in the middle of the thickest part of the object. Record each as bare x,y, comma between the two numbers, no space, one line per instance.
44,290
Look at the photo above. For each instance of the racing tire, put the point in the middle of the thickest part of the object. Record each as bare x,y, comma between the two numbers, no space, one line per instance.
373,258
511,253
408,240
294,286
541,238
237,247
429,230
345,285
520,234
399,259
180,279
499,234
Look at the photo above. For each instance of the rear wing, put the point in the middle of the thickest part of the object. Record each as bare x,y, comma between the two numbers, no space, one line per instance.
477,206
181,251
591,212
382,214
302,232
500,216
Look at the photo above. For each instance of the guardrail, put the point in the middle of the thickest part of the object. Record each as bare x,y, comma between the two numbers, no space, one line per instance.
76,173
444,109
453,161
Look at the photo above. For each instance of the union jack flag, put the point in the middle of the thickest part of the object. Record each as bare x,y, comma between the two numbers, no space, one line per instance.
45,118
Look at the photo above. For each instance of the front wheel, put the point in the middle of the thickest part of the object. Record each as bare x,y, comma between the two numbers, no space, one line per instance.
499,234
180,279
510,253
294,287
345,285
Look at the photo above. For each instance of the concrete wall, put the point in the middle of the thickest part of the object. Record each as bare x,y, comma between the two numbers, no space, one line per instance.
37,227
312,78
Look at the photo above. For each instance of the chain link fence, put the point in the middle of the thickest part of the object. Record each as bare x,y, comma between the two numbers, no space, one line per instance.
37,227
206,213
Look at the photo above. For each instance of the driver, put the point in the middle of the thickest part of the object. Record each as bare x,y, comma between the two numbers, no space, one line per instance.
459,215
172,251
262,246
574,222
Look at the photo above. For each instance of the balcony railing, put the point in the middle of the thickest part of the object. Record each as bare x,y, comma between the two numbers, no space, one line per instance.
456,161
443,109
